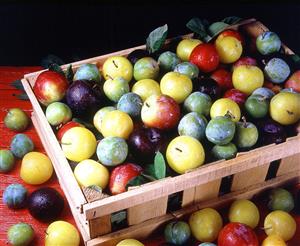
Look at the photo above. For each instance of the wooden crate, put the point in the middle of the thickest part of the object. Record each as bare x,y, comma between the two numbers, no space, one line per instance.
146,205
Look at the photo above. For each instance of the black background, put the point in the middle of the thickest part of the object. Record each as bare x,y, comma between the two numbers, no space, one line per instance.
74,31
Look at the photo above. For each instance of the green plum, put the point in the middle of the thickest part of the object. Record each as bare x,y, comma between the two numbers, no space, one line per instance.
88,72
7,161
198,102
193,124
177,233
277,70
58,113
115,88
188,69
227,151
207,244
257,106
281,199
131,104
267,43
112,151
167,61
220,130
16,119
14,196
246,135
265,92
145,68
20,145
20,234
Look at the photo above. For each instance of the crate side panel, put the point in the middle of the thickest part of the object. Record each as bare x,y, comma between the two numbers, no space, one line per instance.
147,210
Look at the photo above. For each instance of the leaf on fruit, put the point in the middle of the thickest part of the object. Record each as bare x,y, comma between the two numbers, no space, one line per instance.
69,73
95,188
217,27
232,20
56,68
159,166
118,217
157,38
136,181
23,96
17,84
199,27
50,59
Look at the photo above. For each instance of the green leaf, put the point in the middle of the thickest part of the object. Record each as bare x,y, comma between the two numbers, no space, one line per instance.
69,73
157,38
95,188
159,166
217,27
136,181
148,177
56,68
118,217
86,124
50,59
199,27
23,96
149,170
231,20
295,58
17,84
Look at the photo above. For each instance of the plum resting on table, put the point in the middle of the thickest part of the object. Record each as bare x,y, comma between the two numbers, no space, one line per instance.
45,204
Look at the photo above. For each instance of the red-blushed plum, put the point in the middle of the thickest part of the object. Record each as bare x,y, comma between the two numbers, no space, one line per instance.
50,87
161,112
121,175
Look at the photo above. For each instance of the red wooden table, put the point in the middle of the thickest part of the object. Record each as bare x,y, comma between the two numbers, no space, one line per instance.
9,217
8,99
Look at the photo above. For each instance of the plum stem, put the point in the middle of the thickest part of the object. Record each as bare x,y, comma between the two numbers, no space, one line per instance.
229,114
178,149
289,112
244,122
262,98
109,76
266,228
147,105
59,126
115,64
65,143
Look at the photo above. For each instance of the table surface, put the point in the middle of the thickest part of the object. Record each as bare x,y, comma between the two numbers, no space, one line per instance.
8,217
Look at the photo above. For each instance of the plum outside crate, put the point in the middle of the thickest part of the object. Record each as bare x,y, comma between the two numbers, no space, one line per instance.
146,205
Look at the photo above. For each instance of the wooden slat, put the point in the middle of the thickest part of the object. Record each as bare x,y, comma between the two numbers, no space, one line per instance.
207,191
202,175
100,226
147,210
188,197
288,164
249,177
201,193
144,230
